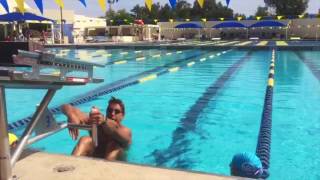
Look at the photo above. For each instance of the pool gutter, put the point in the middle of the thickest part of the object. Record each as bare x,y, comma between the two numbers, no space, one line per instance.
39,166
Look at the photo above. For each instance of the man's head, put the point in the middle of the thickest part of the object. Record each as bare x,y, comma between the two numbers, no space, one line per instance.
246,165
115,109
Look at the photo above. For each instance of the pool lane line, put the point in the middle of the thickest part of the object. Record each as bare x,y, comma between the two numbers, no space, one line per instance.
131,57
262,43
309,63
124,53
264,138
155,56
179,143
118,61
104,53
106,89
97,55
193,62
141,58
115,86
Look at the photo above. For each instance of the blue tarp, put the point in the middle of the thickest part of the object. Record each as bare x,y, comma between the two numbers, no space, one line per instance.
268,24
229,25
188,25
15,16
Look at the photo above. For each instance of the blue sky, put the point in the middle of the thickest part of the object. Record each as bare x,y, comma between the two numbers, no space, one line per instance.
247,7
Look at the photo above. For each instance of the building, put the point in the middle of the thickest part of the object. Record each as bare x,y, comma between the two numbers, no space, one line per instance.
85,28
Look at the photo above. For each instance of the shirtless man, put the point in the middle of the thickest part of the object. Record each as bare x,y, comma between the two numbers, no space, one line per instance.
113,137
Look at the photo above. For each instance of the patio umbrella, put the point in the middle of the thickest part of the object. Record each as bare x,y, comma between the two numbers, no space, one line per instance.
15,16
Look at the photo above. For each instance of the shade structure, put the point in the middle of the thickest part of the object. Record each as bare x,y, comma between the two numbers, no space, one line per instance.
15,16
268,24
229,25
189,25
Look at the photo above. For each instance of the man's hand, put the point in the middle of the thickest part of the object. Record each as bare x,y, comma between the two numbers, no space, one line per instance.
112,123
73,132
96,117
75,116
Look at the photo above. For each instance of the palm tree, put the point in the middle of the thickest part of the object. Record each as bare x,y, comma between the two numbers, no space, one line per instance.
110,2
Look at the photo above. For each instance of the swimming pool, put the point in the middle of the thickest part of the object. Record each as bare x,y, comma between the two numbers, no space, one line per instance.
185,119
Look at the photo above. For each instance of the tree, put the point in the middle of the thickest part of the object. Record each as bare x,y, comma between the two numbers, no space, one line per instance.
288,7
140,12
120,16
110,2
262,11
166,13
236,15
155,10
183,9
211,9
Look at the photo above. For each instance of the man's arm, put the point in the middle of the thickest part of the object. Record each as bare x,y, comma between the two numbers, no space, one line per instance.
121,134
75,116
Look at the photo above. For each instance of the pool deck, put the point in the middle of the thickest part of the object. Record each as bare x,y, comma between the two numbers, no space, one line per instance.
40,166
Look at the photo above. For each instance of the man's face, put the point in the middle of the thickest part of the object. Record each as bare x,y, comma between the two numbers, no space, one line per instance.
114,112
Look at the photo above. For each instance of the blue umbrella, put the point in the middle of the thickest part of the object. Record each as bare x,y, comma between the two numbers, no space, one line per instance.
267,24
189,25
229,25
15,16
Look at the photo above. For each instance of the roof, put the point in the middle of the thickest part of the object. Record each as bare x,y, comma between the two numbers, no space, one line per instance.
268,24
229,25
10,17
189,25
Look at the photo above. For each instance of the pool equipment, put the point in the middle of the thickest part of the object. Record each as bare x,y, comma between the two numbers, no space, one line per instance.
11,77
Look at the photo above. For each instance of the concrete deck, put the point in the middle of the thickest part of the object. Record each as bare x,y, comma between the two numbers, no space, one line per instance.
42,166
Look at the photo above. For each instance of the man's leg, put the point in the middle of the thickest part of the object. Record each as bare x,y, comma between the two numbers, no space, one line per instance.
85,147
113,152
114,155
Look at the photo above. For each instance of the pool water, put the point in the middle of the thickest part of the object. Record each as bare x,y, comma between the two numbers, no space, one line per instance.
176,124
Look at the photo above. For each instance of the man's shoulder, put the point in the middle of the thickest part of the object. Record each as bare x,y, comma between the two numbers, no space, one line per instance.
126,129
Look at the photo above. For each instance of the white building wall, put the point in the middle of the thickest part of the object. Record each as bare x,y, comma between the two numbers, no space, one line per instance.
83,22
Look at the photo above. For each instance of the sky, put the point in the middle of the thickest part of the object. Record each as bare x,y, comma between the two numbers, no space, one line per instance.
247,7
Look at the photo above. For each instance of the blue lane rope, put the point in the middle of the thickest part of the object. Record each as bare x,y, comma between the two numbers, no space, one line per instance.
188,123
264,139
106,89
